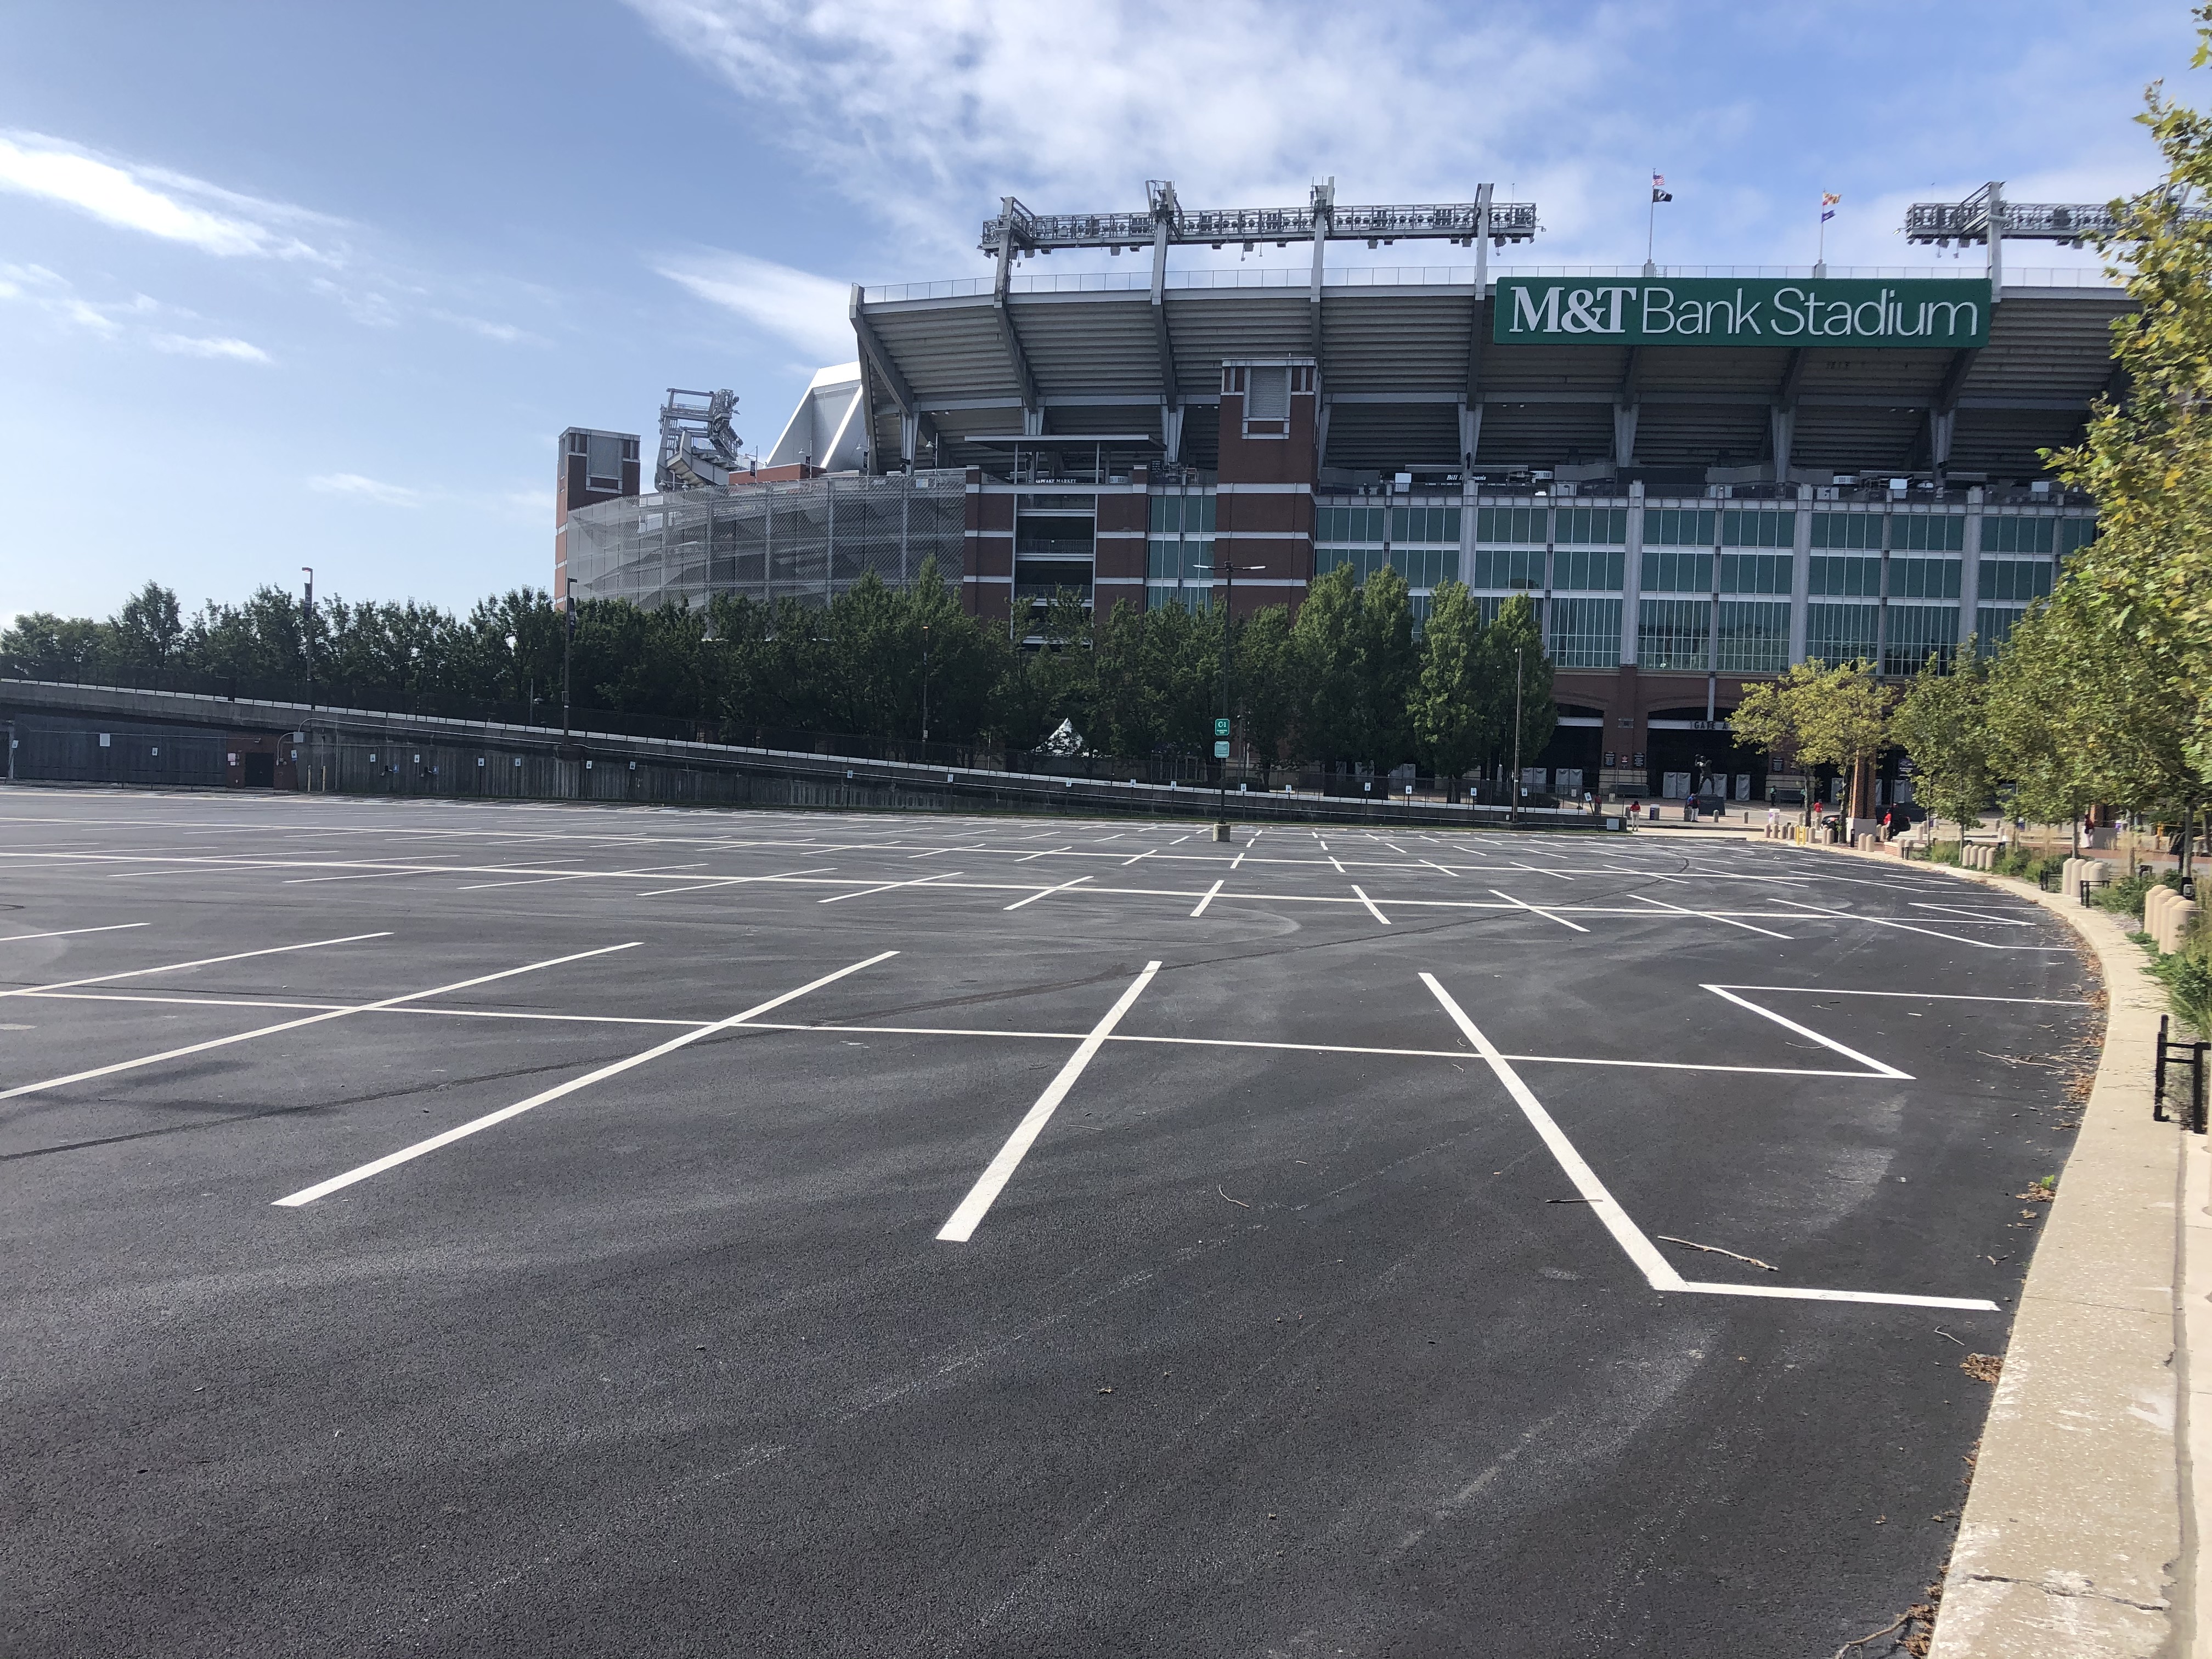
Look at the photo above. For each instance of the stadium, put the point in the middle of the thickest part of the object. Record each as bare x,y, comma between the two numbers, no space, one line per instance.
1701,475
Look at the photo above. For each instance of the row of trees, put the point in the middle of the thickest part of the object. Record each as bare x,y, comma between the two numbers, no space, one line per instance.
1348,682
2102,694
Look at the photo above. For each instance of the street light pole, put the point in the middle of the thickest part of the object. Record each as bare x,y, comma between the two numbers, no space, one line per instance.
308,634
1513,799
925,694
1228,595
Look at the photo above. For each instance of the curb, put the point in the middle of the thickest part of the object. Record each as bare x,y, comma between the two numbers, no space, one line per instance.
2079,1536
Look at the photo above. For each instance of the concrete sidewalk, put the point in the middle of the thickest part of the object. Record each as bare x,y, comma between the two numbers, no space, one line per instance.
2081,1534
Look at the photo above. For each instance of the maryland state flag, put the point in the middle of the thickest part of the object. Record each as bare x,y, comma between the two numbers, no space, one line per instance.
1828,200
1659,191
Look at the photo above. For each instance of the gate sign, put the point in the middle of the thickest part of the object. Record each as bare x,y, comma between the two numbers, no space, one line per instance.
1942,313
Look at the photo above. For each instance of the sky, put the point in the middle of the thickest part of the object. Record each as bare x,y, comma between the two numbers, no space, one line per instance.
286,285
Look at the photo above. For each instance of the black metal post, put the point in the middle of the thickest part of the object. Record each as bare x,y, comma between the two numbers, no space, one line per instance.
308,634
1513,800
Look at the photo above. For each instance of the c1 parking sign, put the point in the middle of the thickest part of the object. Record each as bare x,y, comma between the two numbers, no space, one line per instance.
1221,726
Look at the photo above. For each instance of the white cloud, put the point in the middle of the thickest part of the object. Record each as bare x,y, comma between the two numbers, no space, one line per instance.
926,113
808,311
504,333
186,345
32,165
923,112
353,483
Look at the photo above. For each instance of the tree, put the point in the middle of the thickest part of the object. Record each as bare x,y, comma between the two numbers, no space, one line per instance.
1268,679
1766,717
2143,587
1943,724
1386,663
1327,640
148,629
50,645
1514,662
1450,700
1842,721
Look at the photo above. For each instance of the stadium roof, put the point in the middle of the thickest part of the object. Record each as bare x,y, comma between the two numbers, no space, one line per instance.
1402,350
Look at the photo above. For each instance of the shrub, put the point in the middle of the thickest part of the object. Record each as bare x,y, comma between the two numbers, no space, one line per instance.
2124,897
1942,852
2187,976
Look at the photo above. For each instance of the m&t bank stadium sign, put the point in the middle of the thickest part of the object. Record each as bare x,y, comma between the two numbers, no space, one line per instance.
1944,314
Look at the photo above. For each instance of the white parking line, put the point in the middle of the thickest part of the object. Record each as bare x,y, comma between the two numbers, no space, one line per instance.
475,1126
1711,916
179,967
1048,892
737,881
1210,893
1370,904
67,932
1866,1060
919,881
961,1227
1657,1272
143,1060
1546,915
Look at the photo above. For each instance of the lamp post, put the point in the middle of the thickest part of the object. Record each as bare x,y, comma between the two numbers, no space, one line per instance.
1513,800
1228,594
307,633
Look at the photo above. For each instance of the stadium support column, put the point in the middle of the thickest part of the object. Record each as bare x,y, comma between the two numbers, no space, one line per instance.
1625,403
1017,359
1943,413
1782,418
1170,387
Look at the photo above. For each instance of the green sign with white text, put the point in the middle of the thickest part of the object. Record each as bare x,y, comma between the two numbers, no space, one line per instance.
1943,313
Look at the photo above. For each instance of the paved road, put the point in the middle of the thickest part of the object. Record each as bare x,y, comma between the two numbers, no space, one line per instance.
1003,1295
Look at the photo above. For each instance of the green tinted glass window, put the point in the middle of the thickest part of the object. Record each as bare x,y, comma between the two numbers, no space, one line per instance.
1914,632
1847,577
1672,633
1842,633
1754,572
1512,523
1590,526
1667,572
1672,527
1743,528
1926,533
1923,578
1513,567
1587,567
1753,636
1585,633
1847,529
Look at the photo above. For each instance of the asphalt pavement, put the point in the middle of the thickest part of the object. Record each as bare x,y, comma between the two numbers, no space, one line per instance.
453,1228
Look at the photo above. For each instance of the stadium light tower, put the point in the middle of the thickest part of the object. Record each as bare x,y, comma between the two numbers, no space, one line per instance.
1017,232
1986,218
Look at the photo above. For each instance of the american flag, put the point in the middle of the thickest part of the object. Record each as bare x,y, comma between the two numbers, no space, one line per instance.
1659,191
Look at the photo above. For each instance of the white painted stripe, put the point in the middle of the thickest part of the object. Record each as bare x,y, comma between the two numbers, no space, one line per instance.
1656,1268
973,1208
1433,865
1370,904
1547,915
1866,1060
919,881
1709,915
1929,996
1048,892
67,932
1042,852
144,1060
1239,859
1208,899
737,881
179,967
1793,1293
475,1125
1340,868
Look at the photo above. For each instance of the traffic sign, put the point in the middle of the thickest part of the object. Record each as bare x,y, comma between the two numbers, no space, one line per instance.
1221,748
1221,726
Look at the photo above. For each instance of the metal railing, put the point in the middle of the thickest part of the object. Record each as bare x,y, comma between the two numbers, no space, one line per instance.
2192,1053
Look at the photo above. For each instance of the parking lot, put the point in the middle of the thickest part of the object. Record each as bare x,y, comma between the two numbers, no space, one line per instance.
440,1228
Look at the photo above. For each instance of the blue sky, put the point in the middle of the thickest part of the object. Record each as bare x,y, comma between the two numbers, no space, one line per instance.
286,285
